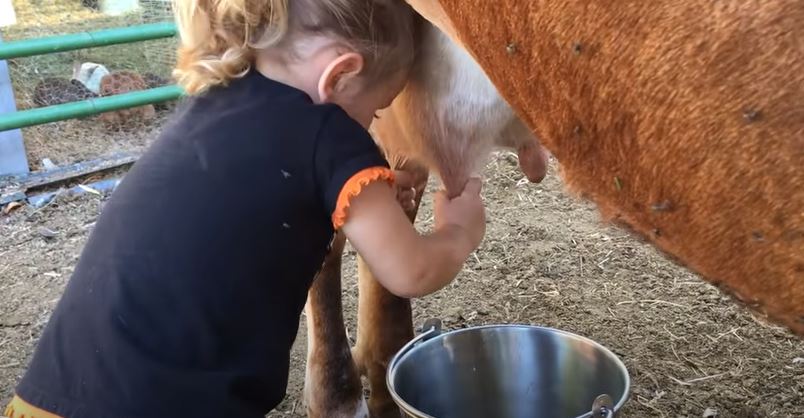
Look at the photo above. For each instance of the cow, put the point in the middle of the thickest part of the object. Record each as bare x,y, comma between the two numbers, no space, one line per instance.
682,121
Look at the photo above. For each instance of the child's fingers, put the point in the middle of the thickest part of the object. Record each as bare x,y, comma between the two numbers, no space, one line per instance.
406,198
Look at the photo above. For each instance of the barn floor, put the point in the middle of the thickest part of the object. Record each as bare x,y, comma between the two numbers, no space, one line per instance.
546,260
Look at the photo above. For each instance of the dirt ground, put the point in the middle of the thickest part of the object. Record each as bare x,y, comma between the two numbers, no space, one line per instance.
547,260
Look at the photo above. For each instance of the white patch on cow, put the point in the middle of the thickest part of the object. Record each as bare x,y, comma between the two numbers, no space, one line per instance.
463,113
361,411
465,94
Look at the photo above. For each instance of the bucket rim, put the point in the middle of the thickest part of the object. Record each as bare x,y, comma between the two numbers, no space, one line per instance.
418,341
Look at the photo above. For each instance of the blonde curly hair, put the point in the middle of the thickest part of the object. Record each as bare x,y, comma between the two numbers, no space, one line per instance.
220,38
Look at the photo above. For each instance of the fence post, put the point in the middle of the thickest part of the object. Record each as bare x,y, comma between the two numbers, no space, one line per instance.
12,150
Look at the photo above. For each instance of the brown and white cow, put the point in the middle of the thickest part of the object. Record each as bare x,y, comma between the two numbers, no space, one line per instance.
681,120
426,128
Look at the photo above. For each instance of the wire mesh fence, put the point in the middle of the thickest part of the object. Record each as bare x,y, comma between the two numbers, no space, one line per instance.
64,77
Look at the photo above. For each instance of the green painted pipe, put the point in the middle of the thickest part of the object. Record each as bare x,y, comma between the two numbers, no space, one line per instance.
61,43
89,107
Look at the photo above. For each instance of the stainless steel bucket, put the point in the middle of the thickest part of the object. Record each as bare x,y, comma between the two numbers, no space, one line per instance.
506,371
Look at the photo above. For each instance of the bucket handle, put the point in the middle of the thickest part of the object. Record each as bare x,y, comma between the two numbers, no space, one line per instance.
603,407
431,328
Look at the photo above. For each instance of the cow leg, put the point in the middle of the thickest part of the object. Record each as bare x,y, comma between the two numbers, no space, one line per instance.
384,322
332,385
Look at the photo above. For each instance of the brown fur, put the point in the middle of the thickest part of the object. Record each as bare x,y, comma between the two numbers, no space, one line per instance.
683,120
332,384
120,82
332,387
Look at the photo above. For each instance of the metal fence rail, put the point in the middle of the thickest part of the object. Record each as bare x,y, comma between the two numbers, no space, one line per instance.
51,44
81,40
89,107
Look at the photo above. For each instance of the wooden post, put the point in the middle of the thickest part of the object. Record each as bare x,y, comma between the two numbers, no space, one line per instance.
12,150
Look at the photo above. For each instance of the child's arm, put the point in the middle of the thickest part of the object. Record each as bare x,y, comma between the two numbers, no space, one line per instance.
405,262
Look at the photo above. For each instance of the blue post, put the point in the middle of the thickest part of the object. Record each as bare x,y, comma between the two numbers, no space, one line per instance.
12,150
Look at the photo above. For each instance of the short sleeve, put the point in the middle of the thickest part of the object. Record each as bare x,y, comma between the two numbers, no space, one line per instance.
346,160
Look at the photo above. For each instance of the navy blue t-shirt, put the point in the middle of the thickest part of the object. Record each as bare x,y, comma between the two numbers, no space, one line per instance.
187,297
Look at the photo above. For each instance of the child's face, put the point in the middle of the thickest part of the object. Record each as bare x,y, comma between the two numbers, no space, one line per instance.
340,81
362,102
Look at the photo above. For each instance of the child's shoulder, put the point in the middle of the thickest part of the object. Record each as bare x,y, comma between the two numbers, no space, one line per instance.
254,102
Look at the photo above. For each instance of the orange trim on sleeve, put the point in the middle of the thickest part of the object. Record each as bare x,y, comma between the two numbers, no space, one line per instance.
18,408
353,187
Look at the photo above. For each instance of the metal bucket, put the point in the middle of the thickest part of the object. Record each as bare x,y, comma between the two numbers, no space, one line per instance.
506,371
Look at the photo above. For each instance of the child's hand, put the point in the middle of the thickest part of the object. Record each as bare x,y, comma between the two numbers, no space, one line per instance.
465,211
405,191
405,262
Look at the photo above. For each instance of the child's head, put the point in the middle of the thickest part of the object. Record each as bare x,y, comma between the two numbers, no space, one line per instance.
344,49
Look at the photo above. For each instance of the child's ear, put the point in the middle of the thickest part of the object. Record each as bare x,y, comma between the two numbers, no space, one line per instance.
338,73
